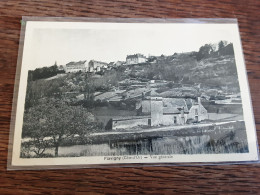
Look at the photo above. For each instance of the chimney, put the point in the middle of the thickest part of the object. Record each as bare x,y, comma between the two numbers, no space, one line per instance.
199,102
182,112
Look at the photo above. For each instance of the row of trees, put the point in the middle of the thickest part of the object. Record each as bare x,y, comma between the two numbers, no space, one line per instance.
222,48
42,73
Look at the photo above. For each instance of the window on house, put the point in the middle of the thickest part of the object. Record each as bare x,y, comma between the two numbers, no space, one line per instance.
149,122
196,111
175,120
183,120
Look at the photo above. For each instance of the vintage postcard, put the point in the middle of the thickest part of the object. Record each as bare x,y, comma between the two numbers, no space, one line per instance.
104,92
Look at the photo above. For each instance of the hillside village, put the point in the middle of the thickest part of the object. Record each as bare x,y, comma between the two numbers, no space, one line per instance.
141,92
100,67
136,106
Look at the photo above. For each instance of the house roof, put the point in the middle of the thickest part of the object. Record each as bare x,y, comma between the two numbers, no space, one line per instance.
189,103
111,63
118,63
138,55
174,105
99,62
136,92
115,99
105,96
171,110
76,63
175,102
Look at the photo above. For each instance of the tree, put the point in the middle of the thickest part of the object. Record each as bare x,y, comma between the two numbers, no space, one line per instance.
43,88
204,51
33,128
220,45
51,122
42,73
88,89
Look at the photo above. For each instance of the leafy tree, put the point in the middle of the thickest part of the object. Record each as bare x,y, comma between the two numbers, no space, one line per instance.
32,127
51,122
45,72
43,88
204,51
88,89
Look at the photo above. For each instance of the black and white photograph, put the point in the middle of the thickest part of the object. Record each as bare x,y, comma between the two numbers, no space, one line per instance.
104,92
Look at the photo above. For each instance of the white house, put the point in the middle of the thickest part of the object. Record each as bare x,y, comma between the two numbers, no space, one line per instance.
158,111
96,66
76,66
135,59
197,112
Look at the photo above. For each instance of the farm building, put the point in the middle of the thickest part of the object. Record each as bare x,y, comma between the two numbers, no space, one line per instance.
158,111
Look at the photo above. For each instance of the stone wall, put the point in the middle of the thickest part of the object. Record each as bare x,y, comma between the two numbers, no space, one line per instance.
168,119
130,123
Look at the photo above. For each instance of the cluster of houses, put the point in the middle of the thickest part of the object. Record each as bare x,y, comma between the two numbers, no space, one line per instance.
151,110
154,110
84,66
159,111
98,66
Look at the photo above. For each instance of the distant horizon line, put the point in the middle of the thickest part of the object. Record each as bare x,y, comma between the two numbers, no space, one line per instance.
149,55
111,61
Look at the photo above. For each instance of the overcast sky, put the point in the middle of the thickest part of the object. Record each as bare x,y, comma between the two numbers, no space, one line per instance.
50,44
